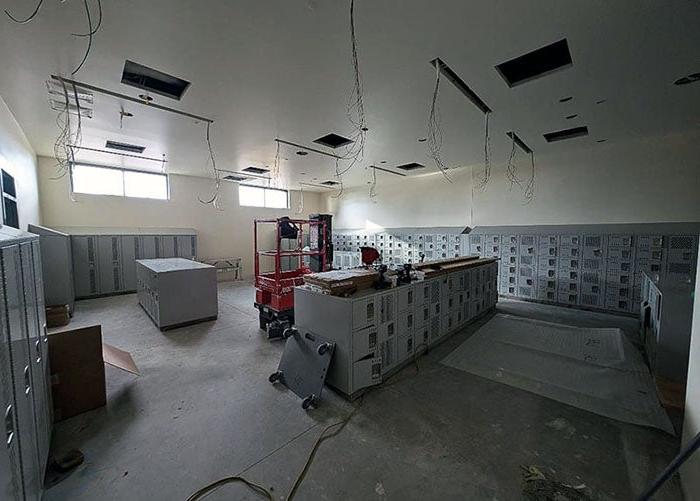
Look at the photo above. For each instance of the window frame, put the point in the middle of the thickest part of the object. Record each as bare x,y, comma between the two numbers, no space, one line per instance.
123,190
265,189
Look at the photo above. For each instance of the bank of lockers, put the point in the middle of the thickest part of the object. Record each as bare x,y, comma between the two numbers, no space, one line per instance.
24,384
376,331
105,264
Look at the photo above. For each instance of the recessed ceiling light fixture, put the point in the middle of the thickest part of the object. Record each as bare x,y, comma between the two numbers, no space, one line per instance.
566,99
562,135
302,153
692,78
422,139
411,166
569,117
536,64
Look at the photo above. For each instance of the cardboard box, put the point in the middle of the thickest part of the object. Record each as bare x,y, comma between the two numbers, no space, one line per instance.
77,359
57,316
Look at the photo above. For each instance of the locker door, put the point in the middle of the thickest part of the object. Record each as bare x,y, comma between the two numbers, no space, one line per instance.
31,320
149,247
41,315
10,473
21,370
165,246
193,246
185,247
85,267
110,258
131,251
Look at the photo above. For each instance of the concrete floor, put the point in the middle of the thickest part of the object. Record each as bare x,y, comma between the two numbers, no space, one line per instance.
203,409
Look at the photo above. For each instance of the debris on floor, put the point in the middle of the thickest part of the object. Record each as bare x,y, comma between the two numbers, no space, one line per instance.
537,487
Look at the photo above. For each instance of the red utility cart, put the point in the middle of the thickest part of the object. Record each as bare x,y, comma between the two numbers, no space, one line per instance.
274,289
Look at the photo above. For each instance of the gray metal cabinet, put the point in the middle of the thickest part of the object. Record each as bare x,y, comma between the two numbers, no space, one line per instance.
110,267
21,371
132,249
186,246
85,266
11,486
56,265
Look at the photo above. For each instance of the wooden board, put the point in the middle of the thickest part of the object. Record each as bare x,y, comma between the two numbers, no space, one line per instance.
434,268
342,282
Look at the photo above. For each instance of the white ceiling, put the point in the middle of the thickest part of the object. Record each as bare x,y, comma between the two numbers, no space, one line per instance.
281,68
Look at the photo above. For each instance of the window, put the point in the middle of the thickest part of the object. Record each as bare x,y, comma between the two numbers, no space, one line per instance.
10,215
96,180
254,196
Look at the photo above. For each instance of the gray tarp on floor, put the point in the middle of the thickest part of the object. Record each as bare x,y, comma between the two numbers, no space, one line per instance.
598,370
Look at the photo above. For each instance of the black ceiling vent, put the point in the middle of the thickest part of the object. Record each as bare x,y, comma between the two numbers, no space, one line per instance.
256,170
143,77
536,64
333,141
562,135
131,148
330,183
235,177
411,166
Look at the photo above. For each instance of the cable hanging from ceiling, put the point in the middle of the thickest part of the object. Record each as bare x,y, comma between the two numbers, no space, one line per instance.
529,192
373,186
214,200
486,176
67,143
511,169
338,175
355,107
92,30
527,187
435,130
300,206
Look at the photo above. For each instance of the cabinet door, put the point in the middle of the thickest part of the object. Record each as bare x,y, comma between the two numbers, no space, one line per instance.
110,258
165,246
85,267
21,370
36,348
149,247
186,246
41,315
131,251
10,472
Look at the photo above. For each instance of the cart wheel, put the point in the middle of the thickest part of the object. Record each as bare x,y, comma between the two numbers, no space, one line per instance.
308,402
323,348
288,332
275,376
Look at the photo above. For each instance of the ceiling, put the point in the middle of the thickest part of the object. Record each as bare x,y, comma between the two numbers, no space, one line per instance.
282,69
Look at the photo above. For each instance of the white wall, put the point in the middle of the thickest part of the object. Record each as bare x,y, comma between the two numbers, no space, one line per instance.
18,158
227,233
690,473
405,202
647,180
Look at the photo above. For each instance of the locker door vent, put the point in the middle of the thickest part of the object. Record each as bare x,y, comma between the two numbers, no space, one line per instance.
137,250
115,249
682,242
93,281
157,239
91,249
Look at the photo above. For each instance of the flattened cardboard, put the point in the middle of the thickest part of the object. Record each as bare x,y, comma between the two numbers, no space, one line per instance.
119,358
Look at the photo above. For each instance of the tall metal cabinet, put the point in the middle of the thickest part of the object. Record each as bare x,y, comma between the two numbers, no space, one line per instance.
104,259
25,397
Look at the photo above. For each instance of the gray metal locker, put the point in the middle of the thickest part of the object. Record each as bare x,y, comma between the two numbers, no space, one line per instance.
85,265
57,266
37,364
21,370
110,259
149,247
41,316
186,246
166,246
11,487
132,249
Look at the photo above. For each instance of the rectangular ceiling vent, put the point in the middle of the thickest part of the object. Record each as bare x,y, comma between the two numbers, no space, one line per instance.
521,144
131,148
460,84
333,141
536,64
411,166
562,135
256,170
330,183
143,77
235,177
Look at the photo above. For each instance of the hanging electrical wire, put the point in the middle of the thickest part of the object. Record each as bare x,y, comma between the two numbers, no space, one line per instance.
97,26
300,207
276,167
486,177
90,32
67,143
28,19
355,107
214,200
338,175
511,169
373,186
434,129
529,191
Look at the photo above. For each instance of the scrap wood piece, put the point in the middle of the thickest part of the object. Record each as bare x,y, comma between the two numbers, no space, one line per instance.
119,358
537,487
